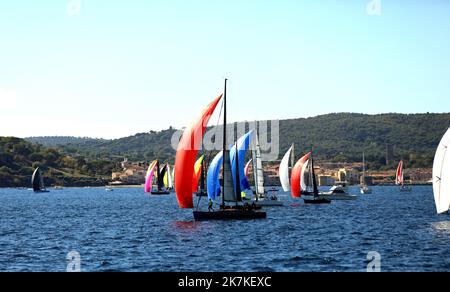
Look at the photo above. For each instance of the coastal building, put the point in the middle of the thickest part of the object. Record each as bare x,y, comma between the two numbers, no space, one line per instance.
368,180
347,175
326,180
132,173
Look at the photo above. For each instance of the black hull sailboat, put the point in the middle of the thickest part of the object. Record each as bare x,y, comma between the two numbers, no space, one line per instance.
37,182
232,214
315,199
230,194
160,191
305,188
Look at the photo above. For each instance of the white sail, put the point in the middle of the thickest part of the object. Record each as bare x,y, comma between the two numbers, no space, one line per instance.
303,185
441,175
257,165
284,170
169,177
228,190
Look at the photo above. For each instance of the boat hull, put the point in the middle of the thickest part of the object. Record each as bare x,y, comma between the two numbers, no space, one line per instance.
160,193
268,203
229,215
339,197
316,201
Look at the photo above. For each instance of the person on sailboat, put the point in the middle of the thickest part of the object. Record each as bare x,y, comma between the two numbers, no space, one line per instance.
210,206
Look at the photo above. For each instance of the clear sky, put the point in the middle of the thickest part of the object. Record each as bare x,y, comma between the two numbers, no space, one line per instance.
117,68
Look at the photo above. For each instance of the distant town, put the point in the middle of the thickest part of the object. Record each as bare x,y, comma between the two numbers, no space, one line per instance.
328,174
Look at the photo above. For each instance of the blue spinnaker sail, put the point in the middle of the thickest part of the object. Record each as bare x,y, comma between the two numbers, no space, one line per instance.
242,144
212,178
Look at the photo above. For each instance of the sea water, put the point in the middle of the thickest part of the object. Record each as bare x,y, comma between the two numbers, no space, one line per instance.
127,230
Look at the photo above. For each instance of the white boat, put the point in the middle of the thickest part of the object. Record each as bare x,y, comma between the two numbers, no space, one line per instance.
441,175
337,193
364,189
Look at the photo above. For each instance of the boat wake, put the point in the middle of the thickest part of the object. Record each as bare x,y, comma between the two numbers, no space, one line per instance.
443,226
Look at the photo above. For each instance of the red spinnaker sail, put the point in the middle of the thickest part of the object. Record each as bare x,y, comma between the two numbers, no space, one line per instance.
296,176
399,175
188,147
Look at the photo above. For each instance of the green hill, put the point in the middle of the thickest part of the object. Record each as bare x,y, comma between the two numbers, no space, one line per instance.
340,137
18,159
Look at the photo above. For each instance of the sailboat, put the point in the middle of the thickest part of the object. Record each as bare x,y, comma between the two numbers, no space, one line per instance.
37,182
304,183
231,207
441,175
261,196
364,189
161,190
400,180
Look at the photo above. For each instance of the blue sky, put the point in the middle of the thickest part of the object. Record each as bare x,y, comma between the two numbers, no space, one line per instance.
123,67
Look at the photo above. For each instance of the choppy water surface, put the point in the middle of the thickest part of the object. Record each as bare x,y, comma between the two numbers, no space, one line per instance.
126,230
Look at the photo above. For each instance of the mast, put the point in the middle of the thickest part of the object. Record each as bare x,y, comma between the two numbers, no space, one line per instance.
224,148
238,180
293,155
316,190
364,170
255,172
202,178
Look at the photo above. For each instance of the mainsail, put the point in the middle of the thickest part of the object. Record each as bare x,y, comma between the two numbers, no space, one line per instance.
284,170
187,151
441,175
149,177
229,193
258,171
298,183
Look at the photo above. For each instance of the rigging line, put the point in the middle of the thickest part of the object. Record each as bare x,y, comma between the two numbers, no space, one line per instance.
209,156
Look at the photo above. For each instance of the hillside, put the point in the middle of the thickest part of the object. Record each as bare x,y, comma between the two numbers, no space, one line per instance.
54,141
19,158
340,137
